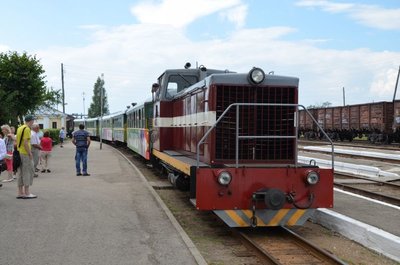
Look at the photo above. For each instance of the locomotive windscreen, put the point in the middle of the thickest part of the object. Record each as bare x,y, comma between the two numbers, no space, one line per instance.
256,121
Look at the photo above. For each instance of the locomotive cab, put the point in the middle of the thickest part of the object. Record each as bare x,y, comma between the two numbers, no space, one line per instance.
173,82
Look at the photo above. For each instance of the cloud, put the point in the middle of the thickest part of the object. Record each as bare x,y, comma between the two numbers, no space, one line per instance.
369,15
132,57
236,15
384,82
4,48
181,13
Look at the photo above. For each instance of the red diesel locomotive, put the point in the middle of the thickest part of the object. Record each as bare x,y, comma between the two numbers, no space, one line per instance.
231,139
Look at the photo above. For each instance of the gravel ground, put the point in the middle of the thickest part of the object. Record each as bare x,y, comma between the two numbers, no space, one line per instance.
218,245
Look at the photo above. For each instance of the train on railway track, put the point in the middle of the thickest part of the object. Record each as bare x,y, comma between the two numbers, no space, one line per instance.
228,138
377,122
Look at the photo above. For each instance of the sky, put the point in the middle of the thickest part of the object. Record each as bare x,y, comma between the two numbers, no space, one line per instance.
328,44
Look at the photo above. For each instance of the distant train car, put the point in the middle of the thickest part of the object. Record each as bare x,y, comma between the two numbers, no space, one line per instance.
396,115
305,121
347,122
119,127
77,122
106,128
139,124
92,126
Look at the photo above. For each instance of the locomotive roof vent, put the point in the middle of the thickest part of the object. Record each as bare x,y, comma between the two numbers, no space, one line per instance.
256,76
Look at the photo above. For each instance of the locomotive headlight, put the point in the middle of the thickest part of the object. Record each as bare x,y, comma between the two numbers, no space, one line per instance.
256,76
224,178
312,178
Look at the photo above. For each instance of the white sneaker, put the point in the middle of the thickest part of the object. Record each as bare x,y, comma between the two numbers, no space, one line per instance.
30,196
7,180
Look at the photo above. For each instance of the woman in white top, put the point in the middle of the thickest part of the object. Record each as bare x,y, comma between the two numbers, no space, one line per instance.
3,154
9,140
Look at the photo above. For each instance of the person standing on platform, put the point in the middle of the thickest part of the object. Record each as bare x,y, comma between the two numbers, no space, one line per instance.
25,176
46,143
9,139
62,136
35,143
16,157
3,153
81,139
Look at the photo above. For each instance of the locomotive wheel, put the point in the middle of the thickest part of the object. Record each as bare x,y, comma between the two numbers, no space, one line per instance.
182,183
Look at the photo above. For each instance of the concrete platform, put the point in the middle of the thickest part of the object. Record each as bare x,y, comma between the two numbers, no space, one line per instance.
369,222
369,211
110,217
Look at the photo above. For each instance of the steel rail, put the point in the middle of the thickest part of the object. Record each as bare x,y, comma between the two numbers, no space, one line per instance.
268,258
263,255
325,255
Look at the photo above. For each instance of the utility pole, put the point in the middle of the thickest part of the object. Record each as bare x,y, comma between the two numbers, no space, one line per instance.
101,111
395,87
83,96
62,86
344,97
394,98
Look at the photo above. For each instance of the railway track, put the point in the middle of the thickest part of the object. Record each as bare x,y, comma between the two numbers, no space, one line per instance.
279,245
376,189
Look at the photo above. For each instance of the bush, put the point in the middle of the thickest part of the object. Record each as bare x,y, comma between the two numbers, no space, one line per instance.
54,135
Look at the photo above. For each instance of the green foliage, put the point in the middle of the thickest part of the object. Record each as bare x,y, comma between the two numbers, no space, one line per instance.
95,106
54,135
22,87
325,104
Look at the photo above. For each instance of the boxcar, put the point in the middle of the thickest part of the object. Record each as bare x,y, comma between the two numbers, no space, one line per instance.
377,116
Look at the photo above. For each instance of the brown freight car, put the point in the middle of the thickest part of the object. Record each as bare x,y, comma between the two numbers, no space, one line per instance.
305,121
377,117
396,122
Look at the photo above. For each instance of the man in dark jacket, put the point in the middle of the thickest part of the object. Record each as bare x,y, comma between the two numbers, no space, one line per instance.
81,139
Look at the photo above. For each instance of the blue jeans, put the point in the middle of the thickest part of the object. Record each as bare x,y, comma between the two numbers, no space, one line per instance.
81,155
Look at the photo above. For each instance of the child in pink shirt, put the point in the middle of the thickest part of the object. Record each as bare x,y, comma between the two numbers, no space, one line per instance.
47,144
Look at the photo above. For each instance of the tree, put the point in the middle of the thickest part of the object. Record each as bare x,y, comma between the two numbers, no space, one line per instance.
22,87
326,104
95,106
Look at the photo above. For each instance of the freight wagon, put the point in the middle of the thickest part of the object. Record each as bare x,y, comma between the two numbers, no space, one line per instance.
379,121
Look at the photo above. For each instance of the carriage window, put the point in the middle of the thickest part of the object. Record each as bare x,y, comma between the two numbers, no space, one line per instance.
130,121
140,118
172,89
